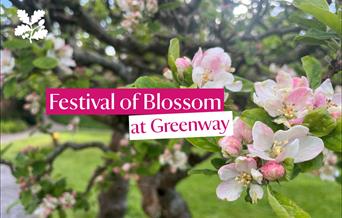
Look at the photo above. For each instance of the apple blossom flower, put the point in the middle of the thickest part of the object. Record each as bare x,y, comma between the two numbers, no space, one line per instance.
152,6
293,143
329,170
67,199
124,141
289,99
325,97
7,62
182,64
211,69
32,103
63,53
232,145
177,160
236,176
272,170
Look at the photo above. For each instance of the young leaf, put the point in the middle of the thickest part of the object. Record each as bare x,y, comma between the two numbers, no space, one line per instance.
320,10
313,70
173,54
250,116
284,207
16,44
333,141
319,122
218,162
45,63
153,82
208,144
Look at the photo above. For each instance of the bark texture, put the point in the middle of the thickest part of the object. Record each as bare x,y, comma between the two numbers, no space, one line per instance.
160,198
113,200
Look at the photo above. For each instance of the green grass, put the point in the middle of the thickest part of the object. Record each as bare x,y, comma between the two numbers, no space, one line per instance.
321,199
12,126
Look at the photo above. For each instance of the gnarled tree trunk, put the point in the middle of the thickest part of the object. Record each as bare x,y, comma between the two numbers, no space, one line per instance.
160,198
113,200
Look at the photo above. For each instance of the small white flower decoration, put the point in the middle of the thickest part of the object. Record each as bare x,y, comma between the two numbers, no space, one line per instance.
28,30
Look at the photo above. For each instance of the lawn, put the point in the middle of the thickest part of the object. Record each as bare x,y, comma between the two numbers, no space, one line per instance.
321,199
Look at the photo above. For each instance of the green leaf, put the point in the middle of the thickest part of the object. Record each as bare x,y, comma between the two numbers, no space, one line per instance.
208,144
284,207
153,82
247,85
16,44
320,11
207,172
250,116
333,141
173,54
319,122
10,88
45,63
218,162
313,70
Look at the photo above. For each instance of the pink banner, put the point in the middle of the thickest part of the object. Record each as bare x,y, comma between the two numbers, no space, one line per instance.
132,101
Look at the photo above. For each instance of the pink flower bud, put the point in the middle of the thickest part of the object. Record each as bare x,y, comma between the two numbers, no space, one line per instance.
272,170
242,131
126,167
182,64
230,145
177,147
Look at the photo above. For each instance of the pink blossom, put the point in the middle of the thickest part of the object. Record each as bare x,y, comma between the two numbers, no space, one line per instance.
293,143
326,97
242,131
211,69
182,64
272,170
63,53
230,145
236,176
289,99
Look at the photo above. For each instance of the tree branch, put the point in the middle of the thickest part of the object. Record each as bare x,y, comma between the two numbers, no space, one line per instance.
61,148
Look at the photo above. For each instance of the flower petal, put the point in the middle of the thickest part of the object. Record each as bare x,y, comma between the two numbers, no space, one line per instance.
257,153
255,192
257,176
245,164
291,134
228,172
290,151
229,190
262,136
326,88
309,148
197,75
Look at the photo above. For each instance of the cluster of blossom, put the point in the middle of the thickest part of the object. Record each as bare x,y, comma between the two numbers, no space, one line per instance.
329,170
128,170
176,159
262,160
49,204
289,98
210,69
32,27
133,11
32,103
63,53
